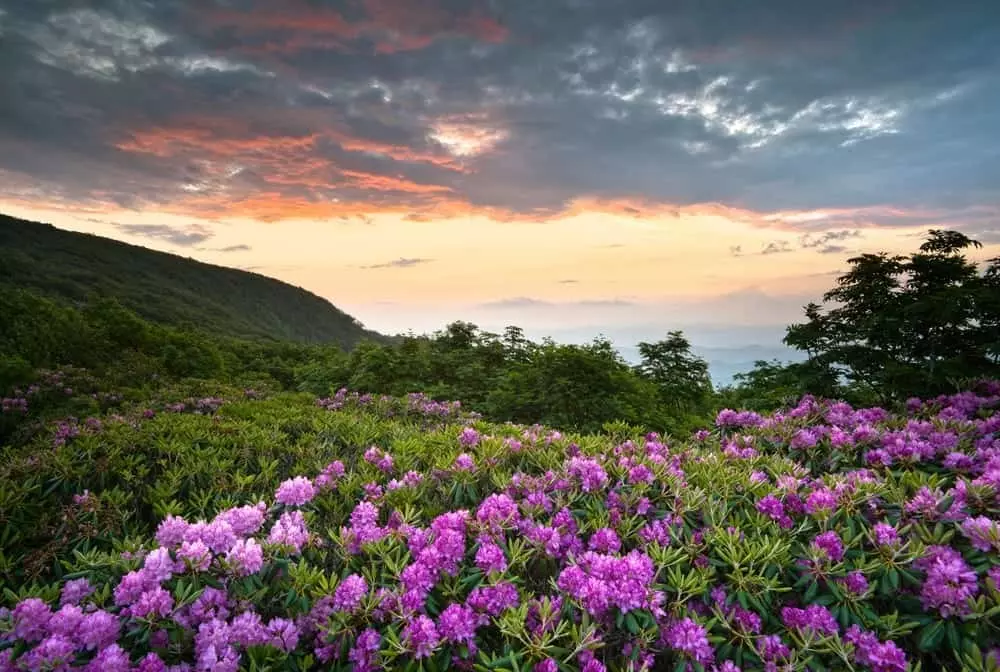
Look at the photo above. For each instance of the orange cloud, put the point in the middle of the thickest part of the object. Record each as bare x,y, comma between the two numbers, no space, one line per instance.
394,25
396,152
390,183
264,207
165,142
288,160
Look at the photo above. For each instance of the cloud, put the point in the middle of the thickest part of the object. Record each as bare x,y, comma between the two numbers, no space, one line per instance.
402,262
824,240
808,117
776,247
187,236
234,248
568,281
832,249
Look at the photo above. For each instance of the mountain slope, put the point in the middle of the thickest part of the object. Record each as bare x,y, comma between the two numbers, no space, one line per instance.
167,288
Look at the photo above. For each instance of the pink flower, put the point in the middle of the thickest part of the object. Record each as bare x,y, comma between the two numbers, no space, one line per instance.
295,491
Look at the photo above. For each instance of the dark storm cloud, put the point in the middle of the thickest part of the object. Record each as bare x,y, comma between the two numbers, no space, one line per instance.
513,108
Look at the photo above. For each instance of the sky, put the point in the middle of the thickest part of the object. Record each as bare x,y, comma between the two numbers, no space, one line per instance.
575,167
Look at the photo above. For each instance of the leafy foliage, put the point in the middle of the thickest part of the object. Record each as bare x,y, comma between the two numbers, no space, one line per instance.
907,326
359,531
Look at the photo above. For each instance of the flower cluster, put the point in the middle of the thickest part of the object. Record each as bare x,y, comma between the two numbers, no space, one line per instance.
820,535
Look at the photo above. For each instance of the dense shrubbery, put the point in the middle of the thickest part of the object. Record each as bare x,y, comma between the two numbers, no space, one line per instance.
278,531
579,387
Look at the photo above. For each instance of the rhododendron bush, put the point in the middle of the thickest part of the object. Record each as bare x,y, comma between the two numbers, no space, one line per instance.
823,537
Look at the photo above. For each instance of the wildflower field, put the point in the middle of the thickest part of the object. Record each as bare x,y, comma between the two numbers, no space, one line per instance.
211,528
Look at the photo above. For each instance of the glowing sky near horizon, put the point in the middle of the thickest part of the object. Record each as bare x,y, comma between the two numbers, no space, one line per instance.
571,166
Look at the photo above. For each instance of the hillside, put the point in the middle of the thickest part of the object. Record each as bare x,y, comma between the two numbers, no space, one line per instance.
210,527
166,288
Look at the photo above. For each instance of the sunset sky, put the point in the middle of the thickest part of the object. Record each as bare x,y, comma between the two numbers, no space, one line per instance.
572,166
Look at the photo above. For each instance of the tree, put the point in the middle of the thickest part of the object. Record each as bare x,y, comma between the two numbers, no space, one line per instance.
681,376
906,326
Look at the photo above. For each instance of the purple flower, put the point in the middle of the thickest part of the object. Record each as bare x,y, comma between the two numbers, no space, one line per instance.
159,566
772,507
856,583
589,472
657,531
290,530
464,462
98,630
830,544
153,602
151,663
244,520
75,590
197,555
640,473
295,491
745,620
491,600
110,659
349,593
381,460
982,532
282,634
490,558
691,639
468,437
171,531
246,557
497,511
31,619
364,653
330,475
815,617
605,540
886,535
879,656
457,624
421,637
772,649
822,501
66,621
217,535
950,582
547,665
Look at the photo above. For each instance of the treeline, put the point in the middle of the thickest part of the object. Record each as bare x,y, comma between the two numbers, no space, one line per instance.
895,327
505,377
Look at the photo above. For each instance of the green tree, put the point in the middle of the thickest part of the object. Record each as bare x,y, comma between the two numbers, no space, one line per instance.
902,326
680,376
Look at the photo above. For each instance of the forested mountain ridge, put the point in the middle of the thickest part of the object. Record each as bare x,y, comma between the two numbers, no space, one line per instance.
167,288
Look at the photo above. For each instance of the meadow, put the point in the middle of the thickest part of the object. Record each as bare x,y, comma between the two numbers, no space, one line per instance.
197,526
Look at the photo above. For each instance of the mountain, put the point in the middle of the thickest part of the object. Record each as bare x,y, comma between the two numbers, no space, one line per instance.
725,362
167,288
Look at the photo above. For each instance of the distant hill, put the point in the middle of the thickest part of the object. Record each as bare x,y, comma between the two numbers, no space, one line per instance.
167,288
724,363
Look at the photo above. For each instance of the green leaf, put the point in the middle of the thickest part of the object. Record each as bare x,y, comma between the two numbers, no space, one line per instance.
931,637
